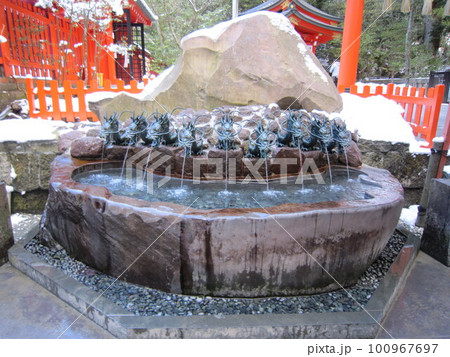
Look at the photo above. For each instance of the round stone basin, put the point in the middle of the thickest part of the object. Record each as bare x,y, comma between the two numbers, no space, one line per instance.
264,249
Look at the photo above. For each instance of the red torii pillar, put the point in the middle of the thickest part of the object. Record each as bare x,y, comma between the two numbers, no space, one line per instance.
350,42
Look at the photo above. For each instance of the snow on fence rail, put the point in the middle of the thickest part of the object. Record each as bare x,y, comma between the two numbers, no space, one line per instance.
421,108
68,103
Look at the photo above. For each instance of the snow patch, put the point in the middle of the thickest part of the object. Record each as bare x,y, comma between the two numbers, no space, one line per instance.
12,173
99,11
409,215
273,106
121,49
16,218
378,118
278,20
98,96
313,68
22,130
282,23
373,86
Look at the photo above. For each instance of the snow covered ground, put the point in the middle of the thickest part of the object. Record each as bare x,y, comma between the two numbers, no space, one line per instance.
23,130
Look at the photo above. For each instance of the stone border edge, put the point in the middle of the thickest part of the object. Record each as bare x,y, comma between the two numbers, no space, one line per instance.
124,324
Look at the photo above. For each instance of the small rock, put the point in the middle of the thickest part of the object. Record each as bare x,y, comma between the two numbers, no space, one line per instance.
93,132
65,140
87,148
244,134
72,135
16,107
354,156
273,126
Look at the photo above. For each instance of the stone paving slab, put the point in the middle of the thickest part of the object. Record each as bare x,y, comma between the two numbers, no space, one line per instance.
123,324
27,310
22,223
421,309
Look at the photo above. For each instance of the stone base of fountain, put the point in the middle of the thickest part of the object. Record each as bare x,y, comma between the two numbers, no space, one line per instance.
288,249
123,323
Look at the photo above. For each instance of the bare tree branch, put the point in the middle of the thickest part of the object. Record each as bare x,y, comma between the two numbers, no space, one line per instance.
193,5
172,31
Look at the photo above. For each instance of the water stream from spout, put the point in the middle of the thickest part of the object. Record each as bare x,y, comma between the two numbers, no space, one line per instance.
146,164
329,166
301,163
267,176
103,157
124,161
182,167
346,163
226,165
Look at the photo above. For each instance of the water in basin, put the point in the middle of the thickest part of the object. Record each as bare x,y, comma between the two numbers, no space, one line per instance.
212,194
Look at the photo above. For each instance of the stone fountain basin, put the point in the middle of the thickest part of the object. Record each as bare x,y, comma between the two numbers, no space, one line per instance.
290,249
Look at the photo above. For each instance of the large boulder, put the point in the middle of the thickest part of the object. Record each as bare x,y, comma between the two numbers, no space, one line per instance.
254,59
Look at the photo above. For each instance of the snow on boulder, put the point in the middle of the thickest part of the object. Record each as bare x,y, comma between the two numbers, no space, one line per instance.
255,59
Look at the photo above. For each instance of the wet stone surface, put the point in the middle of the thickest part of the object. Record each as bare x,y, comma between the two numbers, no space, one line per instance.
150,302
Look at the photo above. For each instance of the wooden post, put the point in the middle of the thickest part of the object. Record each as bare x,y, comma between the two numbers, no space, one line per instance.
6,54
432,171
446,135
350,42
108,63
130,42
235,9
6,233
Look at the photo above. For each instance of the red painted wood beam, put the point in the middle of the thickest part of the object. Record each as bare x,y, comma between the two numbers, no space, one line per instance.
350,42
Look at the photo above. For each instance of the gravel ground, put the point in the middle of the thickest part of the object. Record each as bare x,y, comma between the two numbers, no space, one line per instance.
150,302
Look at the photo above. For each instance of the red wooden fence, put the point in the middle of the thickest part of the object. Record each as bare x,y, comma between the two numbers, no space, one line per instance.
68,102
421,107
